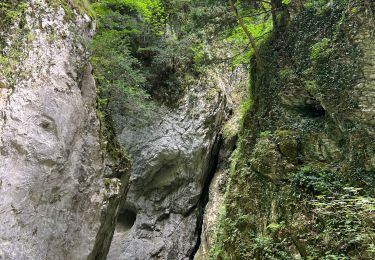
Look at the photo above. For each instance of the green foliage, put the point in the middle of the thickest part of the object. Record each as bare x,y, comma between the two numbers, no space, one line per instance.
344,214
270,248
320,48
265,134
199,55
12,15
11,11
157,60
113,61
274,227
81,6
152,11
245,108
332,61
116,72
315,180
165,39
259,23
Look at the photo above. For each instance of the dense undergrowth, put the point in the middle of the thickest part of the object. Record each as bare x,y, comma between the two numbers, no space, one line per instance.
149,51
137,55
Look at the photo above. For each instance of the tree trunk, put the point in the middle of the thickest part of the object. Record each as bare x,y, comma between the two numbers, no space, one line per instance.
298,5
248,34
280,15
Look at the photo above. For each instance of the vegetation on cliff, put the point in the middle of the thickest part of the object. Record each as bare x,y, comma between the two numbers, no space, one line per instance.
133,56
12,18
302,180
160,43
301,184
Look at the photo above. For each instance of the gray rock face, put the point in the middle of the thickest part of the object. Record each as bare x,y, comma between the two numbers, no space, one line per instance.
51,167
171,159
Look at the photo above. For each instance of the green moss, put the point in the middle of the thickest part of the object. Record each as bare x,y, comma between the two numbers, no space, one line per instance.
113,149
320,48
11,12
230,129
287,142
245,108
285,73
81,6
265,134
13,15
69,15
311,86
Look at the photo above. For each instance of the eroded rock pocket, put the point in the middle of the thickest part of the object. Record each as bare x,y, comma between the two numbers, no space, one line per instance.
126,219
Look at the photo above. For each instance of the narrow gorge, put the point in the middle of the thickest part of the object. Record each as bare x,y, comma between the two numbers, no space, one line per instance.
187,129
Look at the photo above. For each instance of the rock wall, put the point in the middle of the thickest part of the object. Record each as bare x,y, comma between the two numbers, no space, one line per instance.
215,199
54,201
306,144
364,91
172,156
213,204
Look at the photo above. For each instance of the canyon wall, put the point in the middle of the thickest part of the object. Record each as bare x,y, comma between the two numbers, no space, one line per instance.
55,200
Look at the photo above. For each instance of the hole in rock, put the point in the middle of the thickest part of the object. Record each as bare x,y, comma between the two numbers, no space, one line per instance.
312,110
125,220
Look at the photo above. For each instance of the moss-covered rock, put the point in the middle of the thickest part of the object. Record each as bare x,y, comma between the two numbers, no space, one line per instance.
305,153
287,142
268,161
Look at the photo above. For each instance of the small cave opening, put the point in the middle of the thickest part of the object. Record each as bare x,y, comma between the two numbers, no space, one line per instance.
311,110
126,219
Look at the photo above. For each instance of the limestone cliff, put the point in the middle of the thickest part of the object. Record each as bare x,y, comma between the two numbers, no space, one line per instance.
174,156
54,203
298,185
63,173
